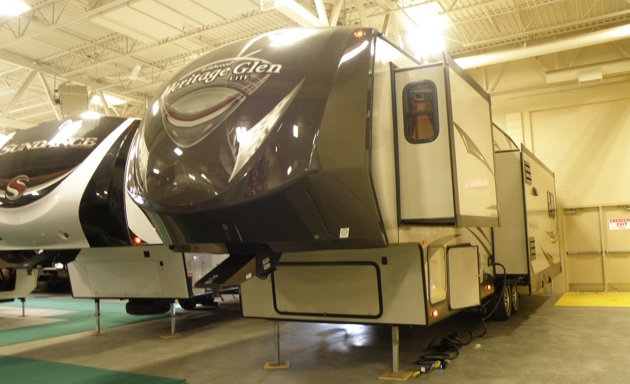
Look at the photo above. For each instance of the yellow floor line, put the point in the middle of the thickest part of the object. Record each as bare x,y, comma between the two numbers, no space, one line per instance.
594,299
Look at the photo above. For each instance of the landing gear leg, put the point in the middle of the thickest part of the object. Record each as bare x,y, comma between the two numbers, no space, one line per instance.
173,313
97,315
395,374
276,342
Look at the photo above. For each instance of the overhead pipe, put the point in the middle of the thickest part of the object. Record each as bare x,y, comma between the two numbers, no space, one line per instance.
594,38
591,72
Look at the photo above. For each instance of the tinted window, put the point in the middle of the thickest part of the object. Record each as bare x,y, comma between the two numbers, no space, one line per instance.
420,109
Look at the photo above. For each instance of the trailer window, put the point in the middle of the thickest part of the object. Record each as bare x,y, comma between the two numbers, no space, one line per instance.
420,109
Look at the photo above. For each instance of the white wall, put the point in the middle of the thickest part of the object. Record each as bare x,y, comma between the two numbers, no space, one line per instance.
582,134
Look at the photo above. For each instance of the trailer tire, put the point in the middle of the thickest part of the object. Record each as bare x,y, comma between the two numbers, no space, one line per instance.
147,306
516,300
187,304
503,311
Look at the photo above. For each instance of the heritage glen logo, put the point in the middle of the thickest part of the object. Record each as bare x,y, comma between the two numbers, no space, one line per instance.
71,142
237,69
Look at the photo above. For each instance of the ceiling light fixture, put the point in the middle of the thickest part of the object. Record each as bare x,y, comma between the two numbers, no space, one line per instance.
427,38
13,8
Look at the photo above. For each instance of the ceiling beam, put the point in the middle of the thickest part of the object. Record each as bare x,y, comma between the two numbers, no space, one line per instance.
594,38
321,11
362,14
14,59
336,11
15,124
546,31
20,91
53,105
54,26
105,105
297,13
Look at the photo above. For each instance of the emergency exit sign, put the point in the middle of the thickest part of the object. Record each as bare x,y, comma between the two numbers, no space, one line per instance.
619,224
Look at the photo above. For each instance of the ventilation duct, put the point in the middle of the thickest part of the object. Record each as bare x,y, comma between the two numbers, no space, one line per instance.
588,73
74,100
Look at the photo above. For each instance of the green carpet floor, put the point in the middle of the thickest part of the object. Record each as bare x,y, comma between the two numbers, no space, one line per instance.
14,370
82,319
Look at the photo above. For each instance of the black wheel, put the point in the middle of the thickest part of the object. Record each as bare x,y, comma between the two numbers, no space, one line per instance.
147,306
504,309
187,304
516,300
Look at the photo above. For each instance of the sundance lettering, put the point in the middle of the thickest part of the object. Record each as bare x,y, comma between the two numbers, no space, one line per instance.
71,142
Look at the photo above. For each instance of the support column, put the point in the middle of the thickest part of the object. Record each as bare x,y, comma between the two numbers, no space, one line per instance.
23,300
278,364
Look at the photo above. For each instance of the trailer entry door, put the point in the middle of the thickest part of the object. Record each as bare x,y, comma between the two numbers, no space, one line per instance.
424,162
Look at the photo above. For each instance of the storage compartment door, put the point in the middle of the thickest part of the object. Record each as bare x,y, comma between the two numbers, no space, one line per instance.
129,272
355,287
463,277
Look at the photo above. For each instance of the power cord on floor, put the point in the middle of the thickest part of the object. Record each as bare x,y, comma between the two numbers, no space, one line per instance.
442,350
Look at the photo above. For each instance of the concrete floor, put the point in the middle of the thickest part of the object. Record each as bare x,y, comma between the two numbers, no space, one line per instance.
542,343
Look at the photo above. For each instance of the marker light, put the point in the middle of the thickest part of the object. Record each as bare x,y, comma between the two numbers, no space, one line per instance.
137,240
433,313
359,33
488,287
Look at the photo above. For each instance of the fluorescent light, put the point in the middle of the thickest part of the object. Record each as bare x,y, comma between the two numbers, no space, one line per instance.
13,8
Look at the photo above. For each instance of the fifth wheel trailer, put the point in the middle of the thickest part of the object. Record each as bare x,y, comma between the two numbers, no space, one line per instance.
347,181
527,243
63,200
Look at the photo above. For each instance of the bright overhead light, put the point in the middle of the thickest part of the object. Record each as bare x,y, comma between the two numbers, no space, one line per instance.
13,7
427,17
427,38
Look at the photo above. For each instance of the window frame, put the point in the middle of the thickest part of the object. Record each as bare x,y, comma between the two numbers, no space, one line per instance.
409,115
